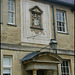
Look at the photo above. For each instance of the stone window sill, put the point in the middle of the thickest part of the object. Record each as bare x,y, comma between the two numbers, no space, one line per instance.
63,33
36,28
12,24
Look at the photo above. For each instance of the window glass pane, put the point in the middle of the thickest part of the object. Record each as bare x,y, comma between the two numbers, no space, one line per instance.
7,65
9,2
57,23
62,70
63,63
65,68
8,7
59,16
63,29
7,71
12,6
12,15
10,11
66,63
12,2
62,17
6,61
9,17
60,24
61,21
60,29
63,24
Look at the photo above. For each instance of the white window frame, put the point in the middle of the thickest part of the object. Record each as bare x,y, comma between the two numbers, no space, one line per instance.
12,12
8,67
65,67
65,27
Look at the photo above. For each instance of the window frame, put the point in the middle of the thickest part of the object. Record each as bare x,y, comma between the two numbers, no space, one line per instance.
62,73
7,67
12,12
65,21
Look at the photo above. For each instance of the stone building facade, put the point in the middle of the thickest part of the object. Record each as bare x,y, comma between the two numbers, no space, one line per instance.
27,27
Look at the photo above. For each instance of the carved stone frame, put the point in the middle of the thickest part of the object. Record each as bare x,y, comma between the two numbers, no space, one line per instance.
33,27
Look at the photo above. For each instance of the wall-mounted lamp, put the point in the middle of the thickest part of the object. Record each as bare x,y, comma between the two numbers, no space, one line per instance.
53,45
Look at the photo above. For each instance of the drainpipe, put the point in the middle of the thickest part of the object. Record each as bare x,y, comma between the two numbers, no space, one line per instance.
54,25
54,33
54,22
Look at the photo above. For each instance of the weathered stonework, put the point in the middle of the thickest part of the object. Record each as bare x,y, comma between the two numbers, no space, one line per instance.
8,32
26,34
18,41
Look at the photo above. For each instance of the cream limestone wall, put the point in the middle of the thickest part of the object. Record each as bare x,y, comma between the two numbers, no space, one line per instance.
67,57
18,34
66,40
26,33
19,69
9,33
17,56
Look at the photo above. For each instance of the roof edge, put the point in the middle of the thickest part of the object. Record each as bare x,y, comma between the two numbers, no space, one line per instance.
61,3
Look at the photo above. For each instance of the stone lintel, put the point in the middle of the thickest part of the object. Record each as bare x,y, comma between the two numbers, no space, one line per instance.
41,66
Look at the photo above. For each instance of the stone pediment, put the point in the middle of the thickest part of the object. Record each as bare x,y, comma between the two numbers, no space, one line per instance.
36,9
41,60
45,58
42,57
